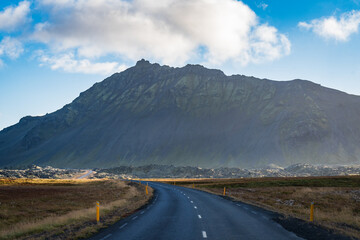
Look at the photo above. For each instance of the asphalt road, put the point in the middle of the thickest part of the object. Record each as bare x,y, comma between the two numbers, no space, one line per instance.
182,213
86,174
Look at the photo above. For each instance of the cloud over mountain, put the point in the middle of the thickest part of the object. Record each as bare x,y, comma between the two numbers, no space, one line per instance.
68,63
169,31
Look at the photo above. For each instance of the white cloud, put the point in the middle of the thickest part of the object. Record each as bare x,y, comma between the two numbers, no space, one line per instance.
262,5
68,63
13,17
168,31
331,27
268,44
11,47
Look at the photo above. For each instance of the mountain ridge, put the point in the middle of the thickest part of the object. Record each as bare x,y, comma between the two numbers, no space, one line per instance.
152,114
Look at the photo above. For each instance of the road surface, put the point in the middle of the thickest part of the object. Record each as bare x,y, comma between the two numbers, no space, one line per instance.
182,213
86,174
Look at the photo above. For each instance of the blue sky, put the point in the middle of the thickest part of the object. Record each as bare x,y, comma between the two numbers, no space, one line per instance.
51,50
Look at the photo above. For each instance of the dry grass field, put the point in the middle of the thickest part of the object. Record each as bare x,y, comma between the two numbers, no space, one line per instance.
64,209
336,199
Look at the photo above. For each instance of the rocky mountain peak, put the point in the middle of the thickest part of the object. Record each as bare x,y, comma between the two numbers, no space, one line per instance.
201,70
152,114
142,63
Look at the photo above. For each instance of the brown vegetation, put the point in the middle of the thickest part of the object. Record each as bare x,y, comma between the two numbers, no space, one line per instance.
63,209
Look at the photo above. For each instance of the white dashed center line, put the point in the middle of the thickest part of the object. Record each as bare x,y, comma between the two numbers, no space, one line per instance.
134,217
107,236
122,226
195,207
204,234
191,201
142,212
254,212
199,216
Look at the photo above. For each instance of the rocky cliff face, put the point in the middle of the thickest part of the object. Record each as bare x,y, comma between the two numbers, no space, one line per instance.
152,114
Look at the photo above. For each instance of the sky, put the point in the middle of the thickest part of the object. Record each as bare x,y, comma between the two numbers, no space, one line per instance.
51,50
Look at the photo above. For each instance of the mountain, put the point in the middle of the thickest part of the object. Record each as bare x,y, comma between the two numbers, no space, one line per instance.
190,116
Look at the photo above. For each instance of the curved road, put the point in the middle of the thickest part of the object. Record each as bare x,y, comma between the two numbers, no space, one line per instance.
86,174
182,213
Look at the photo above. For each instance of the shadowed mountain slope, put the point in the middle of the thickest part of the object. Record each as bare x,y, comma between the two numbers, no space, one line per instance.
152,114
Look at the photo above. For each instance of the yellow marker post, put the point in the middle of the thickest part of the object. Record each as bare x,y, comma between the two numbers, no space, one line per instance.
193,186
224,191
312,212
97,212
146,190
174,183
